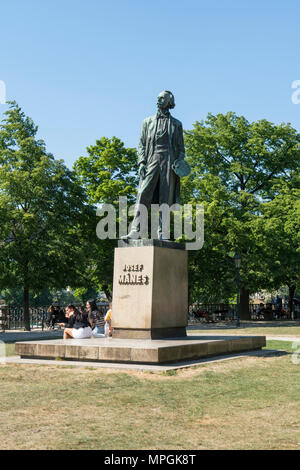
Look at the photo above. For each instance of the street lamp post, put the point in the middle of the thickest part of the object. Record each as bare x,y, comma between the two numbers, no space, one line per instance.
237,261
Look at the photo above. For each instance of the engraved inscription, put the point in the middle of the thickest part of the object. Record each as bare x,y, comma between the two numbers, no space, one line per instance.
133,275
133,268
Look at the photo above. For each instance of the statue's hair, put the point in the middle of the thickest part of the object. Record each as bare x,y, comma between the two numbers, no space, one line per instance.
171,98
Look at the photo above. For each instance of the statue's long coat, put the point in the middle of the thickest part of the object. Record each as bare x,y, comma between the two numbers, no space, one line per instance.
170,190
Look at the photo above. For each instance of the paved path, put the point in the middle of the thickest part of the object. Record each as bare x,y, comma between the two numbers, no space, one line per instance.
11,336
244,325
273,338
284,338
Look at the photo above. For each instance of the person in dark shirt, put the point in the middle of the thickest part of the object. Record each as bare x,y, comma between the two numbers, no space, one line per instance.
78,326
60,315
96,319
51,318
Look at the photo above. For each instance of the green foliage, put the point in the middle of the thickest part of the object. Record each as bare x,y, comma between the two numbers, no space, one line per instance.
62,297
244,156
278,232
14,296
235,168
109,171
83,294
41,207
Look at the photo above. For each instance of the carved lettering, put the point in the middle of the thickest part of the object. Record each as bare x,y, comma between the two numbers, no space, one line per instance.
128,268
129,278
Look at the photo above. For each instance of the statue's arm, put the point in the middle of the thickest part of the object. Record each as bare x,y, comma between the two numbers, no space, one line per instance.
181,149
142,158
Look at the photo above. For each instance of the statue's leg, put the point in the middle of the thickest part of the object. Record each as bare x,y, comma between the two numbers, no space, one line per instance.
166,189
145,195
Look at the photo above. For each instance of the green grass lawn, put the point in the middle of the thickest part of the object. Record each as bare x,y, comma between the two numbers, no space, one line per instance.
10,349
287,346
248,403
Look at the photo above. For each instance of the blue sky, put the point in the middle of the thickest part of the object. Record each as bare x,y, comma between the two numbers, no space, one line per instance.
93,68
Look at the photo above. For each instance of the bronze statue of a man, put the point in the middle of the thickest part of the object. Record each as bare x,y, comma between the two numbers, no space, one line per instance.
160,155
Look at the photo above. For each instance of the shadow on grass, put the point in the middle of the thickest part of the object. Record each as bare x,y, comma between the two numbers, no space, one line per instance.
10,340
274,352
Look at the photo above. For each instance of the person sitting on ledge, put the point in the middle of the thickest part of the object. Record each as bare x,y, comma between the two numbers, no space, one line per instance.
96,319
78,326
108,319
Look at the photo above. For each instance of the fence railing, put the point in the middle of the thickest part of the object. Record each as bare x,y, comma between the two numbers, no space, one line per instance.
12,318
15,318
227,312
211,312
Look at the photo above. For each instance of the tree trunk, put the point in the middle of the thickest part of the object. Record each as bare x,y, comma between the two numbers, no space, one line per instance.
244,304
26,309
292,290
107,292
26,300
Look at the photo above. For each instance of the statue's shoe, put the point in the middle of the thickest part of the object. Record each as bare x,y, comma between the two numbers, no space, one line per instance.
131,235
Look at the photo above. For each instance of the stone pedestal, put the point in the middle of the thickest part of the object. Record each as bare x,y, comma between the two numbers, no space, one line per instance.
150,290
150,303
138,352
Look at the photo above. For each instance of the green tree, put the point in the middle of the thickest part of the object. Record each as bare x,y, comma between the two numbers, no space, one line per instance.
235,165
278,232
84,294
108,171
62,297
13,296
41,208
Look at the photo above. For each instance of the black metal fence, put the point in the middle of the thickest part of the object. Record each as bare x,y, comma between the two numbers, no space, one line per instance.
12,318
15,318
213,313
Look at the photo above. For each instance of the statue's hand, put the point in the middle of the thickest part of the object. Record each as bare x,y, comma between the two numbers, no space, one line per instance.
142,171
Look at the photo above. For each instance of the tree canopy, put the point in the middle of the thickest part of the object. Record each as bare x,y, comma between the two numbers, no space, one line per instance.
235,167
108,171
41,205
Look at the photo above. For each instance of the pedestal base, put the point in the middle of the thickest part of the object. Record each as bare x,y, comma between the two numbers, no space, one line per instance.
154,333
137,351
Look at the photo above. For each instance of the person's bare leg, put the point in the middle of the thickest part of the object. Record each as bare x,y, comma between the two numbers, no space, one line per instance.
68,333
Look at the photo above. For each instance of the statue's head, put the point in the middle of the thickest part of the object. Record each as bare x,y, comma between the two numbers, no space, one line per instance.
166,100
